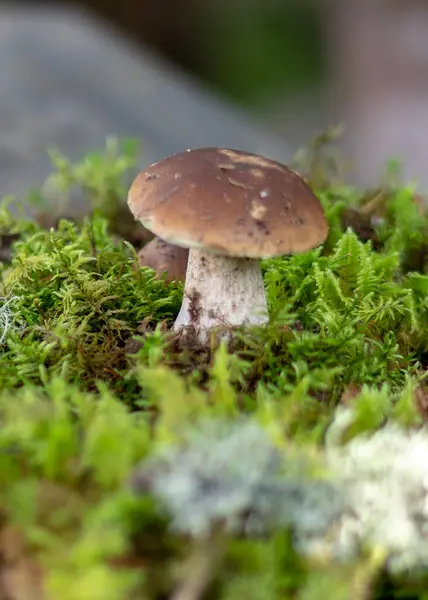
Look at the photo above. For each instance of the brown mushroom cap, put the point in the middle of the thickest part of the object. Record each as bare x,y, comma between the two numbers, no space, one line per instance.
228,202
162,256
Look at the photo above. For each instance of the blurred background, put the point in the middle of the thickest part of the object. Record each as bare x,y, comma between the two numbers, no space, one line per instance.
261,75
269,56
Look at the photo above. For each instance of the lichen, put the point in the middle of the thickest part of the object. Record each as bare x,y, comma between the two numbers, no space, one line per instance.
7,317
385,478
231,473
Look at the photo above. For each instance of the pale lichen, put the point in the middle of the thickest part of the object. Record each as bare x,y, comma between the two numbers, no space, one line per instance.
385,481
7,317
377,496
232,473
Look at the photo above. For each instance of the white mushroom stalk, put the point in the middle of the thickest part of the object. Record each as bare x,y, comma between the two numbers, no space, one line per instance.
222,291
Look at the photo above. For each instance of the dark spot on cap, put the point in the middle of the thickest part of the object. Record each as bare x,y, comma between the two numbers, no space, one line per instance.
150,176
262,226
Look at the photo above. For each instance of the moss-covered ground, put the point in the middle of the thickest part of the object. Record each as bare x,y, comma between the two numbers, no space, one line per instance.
138,464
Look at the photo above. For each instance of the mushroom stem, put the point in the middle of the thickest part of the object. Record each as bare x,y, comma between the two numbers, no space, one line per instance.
221,290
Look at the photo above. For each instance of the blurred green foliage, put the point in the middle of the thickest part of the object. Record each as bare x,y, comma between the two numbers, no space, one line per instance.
267,47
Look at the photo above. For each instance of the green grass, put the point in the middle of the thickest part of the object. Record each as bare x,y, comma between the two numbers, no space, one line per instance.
134,465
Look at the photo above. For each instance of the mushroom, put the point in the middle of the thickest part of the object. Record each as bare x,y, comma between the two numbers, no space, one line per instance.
162,256
230,208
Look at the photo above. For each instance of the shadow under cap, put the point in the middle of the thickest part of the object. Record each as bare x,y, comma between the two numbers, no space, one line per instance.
228,202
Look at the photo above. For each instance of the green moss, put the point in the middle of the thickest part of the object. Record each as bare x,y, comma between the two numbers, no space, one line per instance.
92,383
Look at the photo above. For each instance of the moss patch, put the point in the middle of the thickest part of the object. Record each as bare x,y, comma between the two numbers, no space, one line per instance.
95,390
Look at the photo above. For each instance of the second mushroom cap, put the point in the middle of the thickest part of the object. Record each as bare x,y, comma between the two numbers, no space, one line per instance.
163,257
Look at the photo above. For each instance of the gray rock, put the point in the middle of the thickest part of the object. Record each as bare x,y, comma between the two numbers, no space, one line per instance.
67,81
